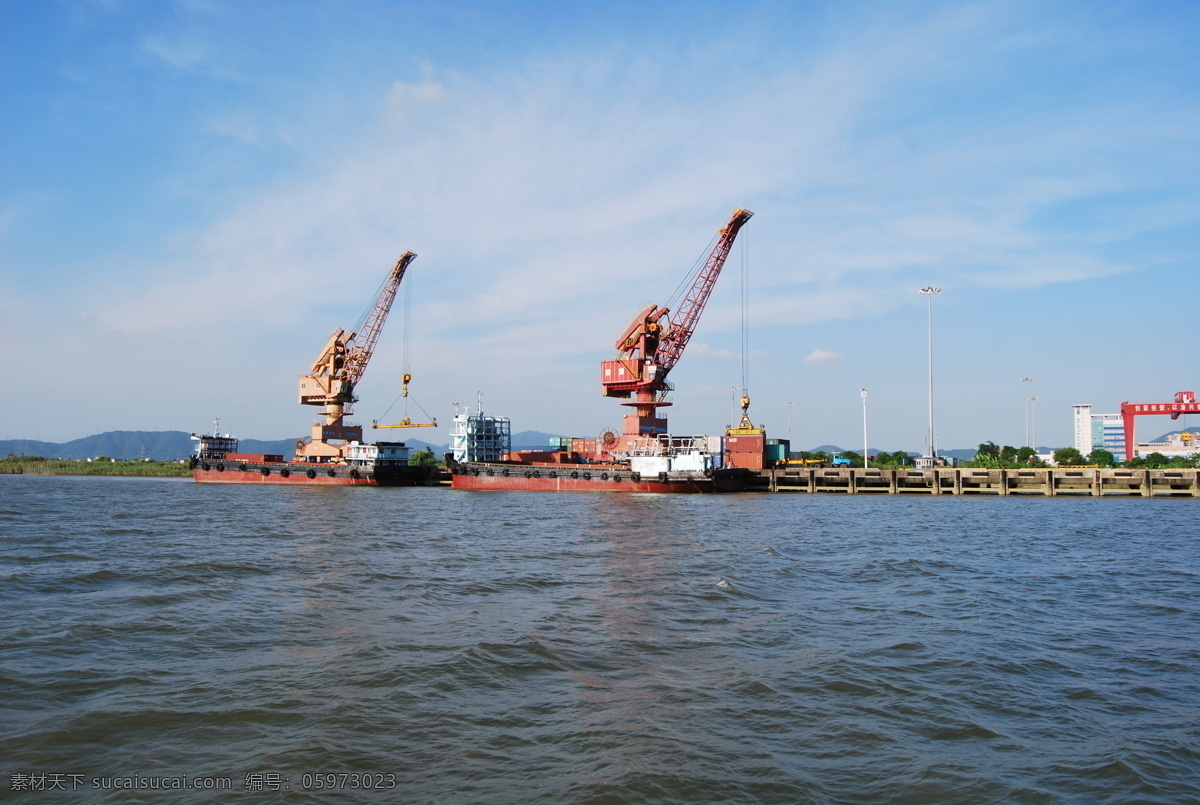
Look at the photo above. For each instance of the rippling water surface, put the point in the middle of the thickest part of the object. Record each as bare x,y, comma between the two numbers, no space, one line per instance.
433,646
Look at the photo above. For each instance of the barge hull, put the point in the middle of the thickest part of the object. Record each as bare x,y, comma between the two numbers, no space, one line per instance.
299,474
557,478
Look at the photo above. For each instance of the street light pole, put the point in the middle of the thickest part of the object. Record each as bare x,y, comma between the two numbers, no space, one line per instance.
789,410
1033,422
929,292
1027,406
866,453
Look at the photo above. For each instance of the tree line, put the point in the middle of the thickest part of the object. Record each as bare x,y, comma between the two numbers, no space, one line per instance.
991,456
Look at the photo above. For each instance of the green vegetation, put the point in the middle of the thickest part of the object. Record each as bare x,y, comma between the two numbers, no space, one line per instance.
1157,461
990,456
423,458
1069,457
38,465
891,461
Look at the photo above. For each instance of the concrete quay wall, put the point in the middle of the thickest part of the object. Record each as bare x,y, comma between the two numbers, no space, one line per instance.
1082,481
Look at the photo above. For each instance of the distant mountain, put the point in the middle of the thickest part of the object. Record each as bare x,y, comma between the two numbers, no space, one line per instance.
167,445
532,440
171,445
162,445
1164,437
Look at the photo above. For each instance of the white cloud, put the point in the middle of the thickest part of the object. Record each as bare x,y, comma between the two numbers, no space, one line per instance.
548,199
401,94
818,356
182,54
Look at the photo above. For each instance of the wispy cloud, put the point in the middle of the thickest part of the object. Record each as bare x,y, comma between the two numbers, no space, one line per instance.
819,356
180,53
551,192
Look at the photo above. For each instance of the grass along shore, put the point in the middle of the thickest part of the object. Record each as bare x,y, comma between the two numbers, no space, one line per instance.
37,465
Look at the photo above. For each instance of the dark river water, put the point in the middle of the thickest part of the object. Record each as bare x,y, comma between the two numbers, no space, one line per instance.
436,646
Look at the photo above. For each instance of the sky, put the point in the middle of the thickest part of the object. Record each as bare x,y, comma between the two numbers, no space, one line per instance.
194,194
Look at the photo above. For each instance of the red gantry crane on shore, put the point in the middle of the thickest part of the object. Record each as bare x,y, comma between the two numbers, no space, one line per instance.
654,341
338,368
1185,403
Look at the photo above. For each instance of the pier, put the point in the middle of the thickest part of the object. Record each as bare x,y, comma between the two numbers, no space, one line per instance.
1082,481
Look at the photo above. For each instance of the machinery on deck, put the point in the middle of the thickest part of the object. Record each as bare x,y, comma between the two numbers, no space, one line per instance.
338,368
653,342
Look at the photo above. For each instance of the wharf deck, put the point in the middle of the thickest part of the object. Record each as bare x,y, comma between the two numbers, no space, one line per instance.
967,481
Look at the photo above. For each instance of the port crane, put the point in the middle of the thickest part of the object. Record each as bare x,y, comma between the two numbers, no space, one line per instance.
338,368
654,341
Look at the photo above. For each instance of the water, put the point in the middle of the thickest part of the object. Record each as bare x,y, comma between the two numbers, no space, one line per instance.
433,646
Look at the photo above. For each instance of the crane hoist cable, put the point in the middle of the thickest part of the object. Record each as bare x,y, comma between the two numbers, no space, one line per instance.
745,423
405,421
745,258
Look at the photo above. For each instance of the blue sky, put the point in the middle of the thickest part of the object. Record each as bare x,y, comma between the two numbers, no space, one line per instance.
195,194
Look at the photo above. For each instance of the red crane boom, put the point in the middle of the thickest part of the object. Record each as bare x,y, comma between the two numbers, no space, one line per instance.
654,341
683,324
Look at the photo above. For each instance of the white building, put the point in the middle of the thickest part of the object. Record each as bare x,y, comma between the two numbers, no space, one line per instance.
1177,444
1098,431
480,438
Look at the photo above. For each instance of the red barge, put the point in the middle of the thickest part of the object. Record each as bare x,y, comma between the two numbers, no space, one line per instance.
217,460
671,466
